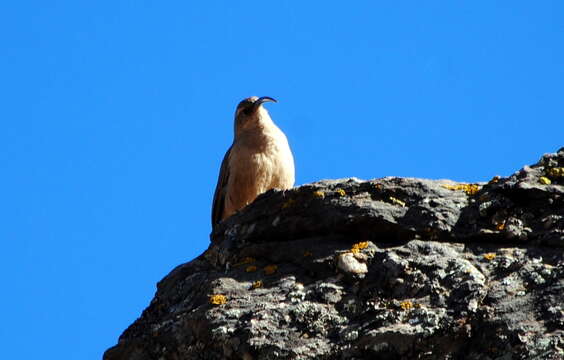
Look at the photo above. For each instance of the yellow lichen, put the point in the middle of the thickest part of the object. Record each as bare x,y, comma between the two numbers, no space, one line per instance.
495,179
359,246
307,253
544,180
251,268
469,189
393,200
218,299
406,305
555,172
288,203
500,226
246,260
257,284
318,194
341,192
270,269
489,256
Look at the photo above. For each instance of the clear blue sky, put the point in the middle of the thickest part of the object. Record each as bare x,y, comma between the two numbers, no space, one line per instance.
116,114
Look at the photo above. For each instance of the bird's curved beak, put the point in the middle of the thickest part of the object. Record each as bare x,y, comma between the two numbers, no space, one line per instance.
262,100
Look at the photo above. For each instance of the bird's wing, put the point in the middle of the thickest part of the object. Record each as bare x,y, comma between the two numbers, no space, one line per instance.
220,190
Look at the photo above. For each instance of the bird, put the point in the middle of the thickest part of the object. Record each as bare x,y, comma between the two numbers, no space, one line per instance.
258,160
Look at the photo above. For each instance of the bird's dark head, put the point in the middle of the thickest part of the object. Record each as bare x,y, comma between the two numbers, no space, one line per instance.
250,111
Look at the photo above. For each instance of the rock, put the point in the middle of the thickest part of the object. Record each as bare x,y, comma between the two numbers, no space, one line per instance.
349,263
392,268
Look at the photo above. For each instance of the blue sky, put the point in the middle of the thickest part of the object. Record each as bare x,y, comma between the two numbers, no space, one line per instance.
116,115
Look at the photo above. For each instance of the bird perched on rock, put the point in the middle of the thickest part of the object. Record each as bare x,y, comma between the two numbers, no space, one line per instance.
259,159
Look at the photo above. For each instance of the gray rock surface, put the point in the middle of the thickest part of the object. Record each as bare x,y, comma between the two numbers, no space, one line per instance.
392,268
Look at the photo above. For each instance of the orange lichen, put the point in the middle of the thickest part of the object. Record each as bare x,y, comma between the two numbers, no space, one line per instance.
396,201
555,172
406,305
500,226
341,192
544,180
359,246
251,268
270,269
257,284
218,299
469,189
318,194
489,256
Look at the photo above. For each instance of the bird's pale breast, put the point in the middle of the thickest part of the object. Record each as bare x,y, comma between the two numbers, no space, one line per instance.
262,162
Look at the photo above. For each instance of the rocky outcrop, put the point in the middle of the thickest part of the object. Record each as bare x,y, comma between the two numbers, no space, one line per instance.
392,268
